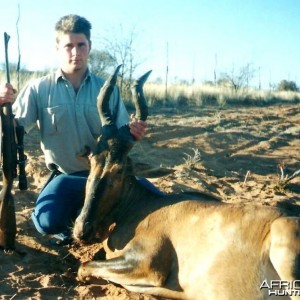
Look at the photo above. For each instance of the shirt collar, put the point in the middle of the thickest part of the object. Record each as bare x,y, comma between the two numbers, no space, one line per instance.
59,75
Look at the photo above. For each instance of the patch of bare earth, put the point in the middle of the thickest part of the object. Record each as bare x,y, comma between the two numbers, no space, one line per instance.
233,153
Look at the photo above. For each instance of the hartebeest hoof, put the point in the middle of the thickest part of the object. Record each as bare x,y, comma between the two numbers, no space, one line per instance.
82,273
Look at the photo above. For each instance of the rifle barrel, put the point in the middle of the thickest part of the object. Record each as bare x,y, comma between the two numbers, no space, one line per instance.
6,40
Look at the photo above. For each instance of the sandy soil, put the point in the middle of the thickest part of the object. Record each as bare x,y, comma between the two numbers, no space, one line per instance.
235,153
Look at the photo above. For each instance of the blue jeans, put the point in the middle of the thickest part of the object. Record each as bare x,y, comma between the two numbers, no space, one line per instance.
60,202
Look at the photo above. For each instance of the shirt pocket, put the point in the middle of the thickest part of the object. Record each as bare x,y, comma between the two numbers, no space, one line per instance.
55,120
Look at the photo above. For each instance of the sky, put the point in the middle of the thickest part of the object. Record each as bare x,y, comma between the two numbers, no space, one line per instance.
193,38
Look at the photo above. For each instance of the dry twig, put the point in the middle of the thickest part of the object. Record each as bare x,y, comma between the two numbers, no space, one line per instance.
285,179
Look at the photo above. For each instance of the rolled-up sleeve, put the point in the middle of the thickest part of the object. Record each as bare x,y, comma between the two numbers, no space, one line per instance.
25,107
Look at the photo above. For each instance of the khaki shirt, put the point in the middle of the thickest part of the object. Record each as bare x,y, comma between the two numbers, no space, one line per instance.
67,121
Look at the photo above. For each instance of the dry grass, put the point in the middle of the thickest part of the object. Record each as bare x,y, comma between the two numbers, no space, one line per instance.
179,95
199,95
19,81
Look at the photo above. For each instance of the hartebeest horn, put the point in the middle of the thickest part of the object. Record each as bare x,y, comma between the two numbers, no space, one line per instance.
138,97
108,126
104,96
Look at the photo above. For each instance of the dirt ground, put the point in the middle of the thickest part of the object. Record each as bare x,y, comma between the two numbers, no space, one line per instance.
236,153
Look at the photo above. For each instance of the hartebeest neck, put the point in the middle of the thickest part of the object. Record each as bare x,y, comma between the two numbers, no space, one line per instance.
135,199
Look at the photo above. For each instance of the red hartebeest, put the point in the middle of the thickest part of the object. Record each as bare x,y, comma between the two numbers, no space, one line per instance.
183,246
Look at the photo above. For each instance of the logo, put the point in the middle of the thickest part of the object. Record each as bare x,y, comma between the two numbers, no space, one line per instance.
281,287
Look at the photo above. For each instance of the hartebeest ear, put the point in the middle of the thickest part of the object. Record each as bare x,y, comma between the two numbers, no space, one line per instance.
148,171
85,152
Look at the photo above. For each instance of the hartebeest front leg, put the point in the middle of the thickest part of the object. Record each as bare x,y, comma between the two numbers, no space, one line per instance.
122,270
134,275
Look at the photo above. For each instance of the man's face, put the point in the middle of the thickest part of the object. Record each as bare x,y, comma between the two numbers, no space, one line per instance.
73,51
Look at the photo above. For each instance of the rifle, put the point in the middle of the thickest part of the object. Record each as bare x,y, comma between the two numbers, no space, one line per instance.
9,165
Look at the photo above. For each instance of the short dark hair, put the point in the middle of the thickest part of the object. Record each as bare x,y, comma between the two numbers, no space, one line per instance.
73,24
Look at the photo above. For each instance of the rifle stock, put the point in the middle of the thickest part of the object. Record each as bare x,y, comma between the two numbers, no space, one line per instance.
9,164
7,206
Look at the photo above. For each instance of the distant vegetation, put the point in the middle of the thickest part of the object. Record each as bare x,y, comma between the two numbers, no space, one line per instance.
230,88
19,79
199,95
189,95
286,85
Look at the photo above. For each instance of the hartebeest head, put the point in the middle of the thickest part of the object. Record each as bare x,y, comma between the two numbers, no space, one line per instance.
109,163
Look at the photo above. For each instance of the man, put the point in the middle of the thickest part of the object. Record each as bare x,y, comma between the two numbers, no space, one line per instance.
63,105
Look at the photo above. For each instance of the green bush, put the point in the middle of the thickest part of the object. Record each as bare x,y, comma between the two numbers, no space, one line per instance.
285,85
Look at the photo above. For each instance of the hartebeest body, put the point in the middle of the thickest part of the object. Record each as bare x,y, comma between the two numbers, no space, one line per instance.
183,246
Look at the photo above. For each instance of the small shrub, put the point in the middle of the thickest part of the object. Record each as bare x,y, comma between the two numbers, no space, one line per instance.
286,85
191,161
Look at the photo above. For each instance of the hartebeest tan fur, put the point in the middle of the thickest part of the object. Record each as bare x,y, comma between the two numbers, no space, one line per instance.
183,246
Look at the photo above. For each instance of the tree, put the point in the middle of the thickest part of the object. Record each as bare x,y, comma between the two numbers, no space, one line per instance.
122,49
285,85
101,63
240,79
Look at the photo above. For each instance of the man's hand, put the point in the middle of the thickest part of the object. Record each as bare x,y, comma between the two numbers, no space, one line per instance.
138,128
7,93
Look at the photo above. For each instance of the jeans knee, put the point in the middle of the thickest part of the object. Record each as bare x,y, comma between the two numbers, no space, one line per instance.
58,203
45,224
